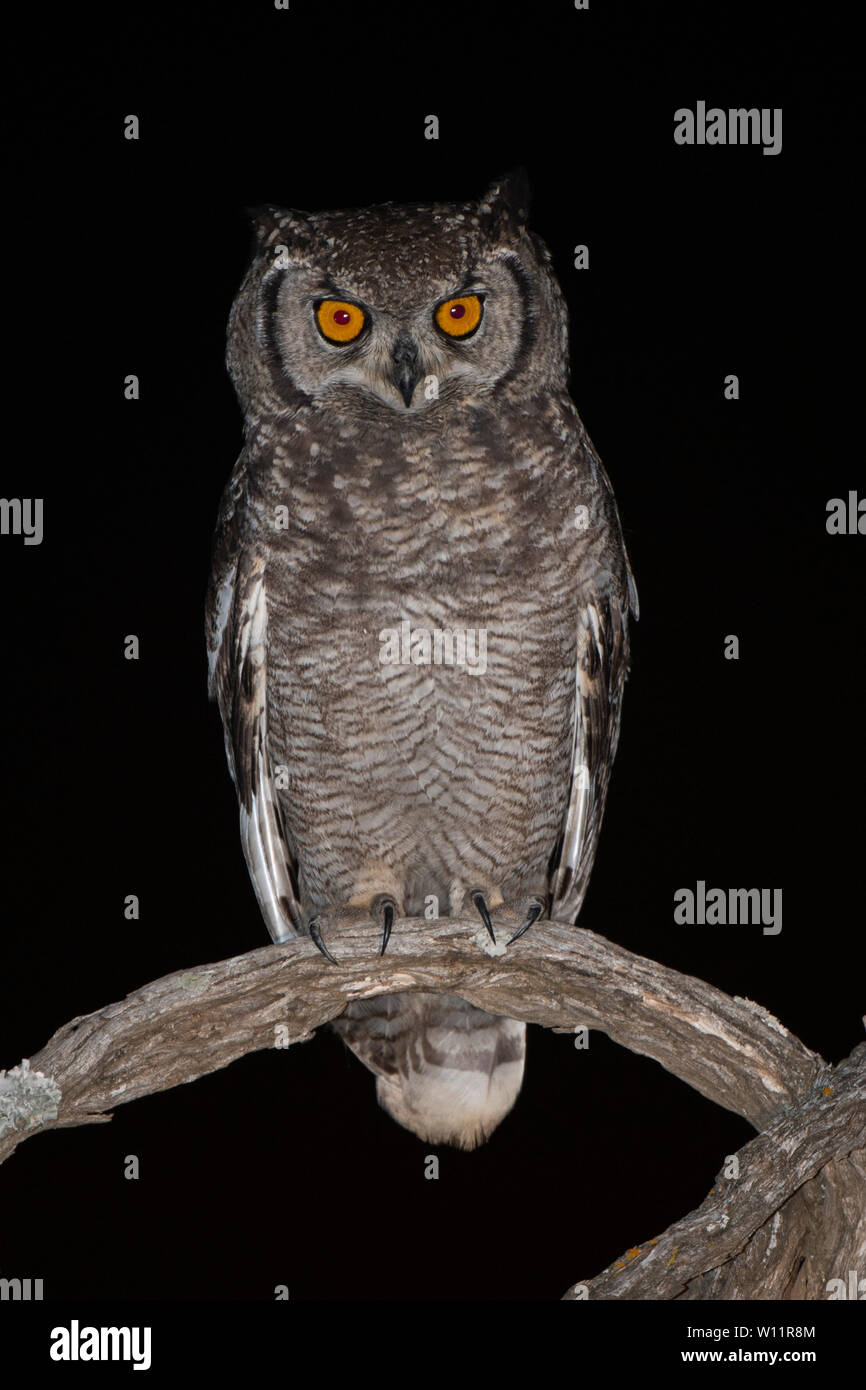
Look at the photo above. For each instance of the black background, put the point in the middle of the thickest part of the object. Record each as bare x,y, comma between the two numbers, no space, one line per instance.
124,257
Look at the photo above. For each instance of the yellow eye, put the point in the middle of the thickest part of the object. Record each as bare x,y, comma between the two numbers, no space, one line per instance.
459,317
339,321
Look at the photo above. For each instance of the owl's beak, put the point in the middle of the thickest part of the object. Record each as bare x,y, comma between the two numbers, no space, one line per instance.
405,373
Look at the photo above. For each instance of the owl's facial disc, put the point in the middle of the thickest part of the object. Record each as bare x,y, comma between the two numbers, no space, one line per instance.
395,351
448,337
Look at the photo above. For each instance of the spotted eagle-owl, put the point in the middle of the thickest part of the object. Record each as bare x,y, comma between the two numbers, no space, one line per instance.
418,611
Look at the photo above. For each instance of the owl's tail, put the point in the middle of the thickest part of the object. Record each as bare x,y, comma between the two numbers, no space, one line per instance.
445,1070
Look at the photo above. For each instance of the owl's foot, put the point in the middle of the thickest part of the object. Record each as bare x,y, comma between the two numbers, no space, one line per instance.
383,909
526,913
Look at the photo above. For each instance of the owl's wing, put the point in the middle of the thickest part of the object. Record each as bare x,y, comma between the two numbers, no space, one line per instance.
602,667
237,622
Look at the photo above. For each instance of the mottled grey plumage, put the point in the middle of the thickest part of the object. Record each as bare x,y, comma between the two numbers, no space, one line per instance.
363,499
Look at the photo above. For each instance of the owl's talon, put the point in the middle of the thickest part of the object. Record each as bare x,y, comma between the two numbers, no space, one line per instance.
316,937
388,916
533,914
484,913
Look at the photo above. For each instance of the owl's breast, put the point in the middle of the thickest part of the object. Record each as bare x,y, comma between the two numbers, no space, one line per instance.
422,633
461,514
423,732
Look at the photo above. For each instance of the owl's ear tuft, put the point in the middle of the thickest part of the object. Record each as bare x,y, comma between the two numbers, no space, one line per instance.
272,224
507,199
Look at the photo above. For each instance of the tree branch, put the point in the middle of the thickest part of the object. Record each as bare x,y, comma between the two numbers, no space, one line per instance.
559,976
770,1170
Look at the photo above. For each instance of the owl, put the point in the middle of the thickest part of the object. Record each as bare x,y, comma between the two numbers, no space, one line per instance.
417,618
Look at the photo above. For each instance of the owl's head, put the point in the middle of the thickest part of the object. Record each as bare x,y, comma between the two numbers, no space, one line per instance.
404,308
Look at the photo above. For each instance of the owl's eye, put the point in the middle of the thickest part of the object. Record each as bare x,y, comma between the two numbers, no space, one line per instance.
339,321
459,317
